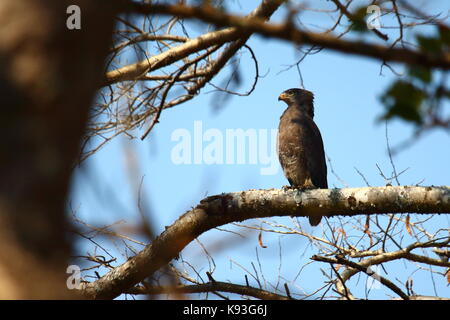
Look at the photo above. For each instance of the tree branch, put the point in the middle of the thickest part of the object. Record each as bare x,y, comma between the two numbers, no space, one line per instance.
210,287
221,209
350,17
134,71
366,270
289,32
404,253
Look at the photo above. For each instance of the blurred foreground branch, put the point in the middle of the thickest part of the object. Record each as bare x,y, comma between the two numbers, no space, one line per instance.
288,31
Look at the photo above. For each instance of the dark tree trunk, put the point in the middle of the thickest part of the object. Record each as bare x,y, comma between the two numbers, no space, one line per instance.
48,78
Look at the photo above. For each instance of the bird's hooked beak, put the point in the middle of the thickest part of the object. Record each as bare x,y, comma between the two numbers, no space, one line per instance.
282,97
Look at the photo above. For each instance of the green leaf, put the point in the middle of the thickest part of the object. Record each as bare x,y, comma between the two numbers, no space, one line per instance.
403,100
444,34
429,44
358,20
423,74
442,92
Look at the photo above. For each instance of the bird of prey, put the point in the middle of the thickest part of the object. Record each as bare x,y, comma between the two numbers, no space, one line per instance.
300,145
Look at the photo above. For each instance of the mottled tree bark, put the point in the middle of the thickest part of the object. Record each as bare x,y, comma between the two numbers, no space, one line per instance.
48,77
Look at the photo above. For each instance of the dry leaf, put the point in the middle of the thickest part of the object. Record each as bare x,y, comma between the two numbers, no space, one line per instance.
367,231
408,225
367,225
260,240
342,231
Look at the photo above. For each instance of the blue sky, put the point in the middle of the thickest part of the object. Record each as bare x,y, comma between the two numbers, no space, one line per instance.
347,90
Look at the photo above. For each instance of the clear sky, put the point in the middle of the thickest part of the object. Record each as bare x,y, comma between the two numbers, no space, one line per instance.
347,105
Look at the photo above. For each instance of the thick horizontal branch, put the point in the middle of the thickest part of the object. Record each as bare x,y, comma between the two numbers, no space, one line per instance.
210,287
221,209
288,31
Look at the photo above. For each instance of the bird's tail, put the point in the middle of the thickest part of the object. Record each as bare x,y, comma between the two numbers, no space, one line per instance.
314,220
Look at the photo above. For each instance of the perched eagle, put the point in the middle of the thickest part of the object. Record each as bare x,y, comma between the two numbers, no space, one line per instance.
300,146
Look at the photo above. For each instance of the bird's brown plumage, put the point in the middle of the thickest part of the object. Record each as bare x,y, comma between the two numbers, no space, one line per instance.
300,145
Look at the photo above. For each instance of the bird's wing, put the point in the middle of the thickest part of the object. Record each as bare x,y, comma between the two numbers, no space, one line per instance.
310,150
313,146
290,152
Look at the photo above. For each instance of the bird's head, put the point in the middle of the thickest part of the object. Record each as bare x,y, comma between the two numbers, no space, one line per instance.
300,98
